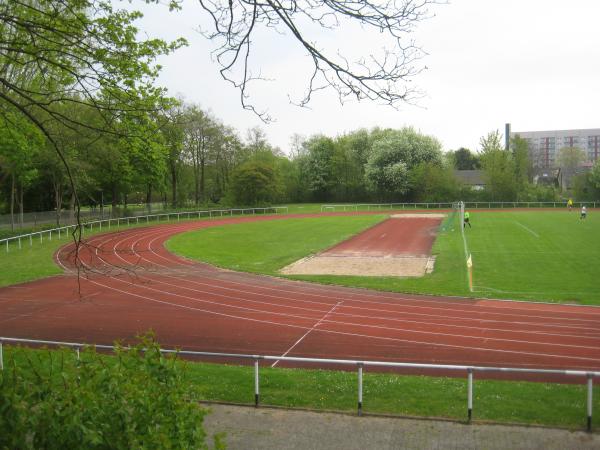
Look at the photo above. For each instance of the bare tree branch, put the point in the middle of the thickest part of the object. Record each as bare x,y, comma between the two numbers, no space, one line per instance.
384,78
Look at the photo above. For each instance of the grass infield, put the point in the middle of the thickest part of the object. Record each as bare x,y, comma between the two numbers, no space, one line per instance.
497,401
527,255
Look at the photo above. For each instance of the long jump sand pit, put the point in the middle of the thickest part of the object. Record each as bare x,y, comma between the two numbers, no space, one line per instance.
397,247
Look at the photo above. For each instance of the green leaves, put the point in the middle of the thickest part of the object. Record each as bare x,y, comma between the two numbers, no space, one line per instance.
136,400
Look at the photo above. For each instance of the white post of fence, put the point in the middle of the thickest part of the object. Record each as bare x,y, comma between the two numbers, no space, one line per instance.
470,394
41,237
30,241
77,351
256,389
590,389
19,243
360,388
50,234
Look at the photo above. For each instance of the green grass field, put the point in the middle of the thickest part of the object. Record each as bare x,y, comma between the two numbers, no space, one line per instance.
543,255
526,255
265,247
408,395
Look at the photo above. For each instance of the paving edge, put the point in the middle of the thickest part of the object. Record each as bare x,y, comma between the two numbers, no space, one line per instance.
398,416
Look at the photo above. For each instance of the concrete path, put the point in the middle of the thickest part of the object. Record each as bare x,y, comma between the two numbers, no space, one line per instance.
264,428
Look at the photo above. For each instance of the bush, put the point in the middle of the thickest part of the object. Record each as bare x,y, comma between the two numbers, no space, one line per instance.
137,399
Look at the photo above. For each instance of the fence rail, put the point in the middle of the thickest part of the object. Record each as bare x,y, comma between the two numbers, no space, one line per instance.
210,213
360,365
383,206
449,205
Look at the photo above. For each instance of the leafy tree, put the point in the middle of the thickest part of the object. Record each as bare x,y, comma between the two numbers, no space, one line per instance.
569,158
201,136
434,183
254,182
392,158
523,167
19,141
465,160
59,57
499,168
595,175
319,167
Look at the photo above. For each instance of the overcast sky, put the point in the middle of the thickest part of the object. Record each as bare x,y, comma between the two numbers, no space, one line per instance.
533,63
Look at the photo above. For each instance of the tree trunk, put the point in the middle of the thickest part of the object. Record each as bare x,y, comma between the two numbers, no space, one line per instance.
114,201
12,203
72,208
149,198
202,180
21,204
57,200
174,186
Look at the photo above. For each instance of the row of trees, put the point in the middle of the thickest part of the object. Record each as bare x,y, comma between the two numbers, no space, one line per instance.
83,123
187,157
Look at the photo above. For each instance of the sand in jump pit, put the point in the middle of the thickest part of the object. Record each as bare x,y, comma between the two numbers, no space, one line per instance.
393,248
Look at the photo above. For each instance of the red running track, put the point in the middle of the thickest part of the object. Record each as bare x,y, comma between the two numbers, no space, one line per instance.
132,284
393,237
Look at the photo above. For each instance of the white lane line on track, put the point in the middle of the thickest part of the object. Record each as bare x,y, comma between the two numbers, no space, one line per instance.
160,232
360,325
363,325
306,288
308,332
345,314
349,314
161,291
528,229
331,331
343,333
280,290
358,316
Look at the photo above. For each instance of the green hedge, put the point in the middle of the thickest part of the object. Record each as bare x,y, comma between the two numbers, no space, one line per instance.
137,399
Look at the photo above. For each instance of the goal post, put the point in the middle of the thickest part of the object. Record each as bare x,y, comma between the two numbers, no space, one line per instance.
461,215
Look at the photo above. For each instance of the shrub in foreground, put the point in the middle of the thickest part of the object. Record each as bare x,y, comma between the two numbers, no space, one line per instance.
137,399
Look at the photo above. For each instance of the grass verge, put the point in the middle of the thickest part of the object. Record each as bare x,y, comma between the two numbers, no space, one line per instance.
546,404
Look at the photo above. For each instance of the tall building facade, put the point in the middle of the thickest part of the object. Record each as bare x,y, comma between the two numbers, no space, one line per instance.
545,145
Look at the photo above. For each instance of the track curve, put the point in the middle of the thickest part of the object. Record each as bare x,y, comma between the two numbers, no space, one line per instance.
131,283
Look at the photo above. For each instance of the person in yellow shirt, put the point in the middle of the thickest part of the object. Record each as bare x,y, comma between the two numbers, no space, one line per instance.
570,204
467,219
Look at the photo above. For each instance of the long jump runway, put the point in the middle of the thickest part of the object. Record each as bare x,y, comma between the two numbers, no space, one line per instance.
131,284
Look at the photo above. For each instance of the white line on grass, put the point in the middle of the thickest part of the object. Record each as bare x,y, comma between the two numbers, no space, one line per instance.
308,332
528,229
466,252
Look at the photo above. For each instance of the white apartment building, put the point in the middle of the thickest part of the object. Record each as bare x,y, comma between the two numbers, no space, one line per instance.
545,145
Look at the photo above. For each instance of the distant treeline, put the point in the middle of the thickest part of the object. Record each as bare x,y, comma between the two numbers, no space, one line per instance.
188,157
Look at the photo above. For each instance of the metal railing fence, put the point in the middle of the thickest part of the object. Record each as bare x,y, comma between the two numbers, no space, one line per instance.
17,241
360,365
448,205
384,206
